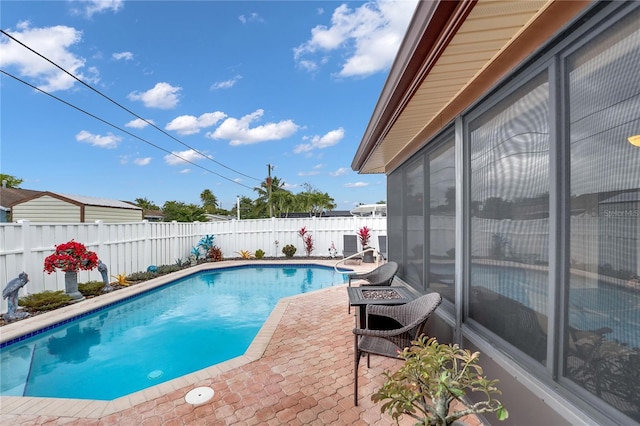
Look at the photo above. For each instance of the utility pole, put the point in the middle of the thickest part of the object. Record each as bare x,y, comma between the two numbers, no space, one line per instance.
269,168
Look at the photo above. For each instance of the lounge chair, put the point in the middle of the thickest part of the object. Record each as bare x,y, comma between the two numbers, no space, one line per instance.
382,246
350,247
390,329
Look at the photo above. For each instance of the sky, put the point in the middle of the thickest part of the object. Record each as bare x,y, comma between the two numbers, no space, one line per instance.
174,97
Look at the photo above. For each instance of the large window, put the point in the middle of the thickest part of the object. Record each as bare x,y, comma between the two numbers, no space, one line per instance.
602,339
509,155
551,234
442,223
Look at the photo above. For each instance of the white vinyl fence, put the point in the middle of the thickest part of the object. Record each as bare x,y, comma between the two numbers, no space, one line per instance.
132,247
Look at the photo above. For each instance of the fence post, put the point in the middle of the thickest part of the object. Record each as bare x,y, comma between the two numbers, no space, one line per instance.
101,241
147,244
273,236
174,235
27,253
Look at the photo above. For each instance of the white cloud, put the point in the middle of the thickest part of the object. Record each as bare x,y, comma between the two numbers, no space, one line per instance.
181,157
240,132
138,123
109,141
55,42
142,161
162,96
320,142
227,84
252,17
90,7
311,173
370,35
189,124
127,56
185,171
355,185
341,171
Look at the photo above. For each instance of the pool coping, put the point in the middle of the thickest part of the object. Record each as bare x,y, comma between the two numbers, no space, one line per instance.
95,409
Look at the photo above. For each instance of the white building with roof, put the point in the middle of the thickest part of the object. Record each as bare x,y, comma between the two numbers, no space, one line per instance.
64,208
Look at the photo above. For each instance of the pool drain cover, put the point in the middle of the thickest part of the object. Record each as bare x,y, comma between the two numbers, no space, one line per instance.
199,395
155,374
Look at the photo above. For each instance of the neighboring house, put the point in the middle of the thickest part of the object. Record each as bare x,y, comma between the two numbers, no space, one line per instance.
506,132
11,196
63,208
153,215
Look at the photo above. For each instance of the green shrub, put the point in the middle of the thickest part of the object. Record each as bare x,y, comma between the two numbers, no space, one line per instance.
45,301
167,269
91,288
289,250
259,254
433,376
141,276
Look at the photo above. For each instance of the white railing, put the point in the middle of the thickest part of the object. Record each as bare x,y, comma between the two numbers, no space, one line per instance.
359,256
132,247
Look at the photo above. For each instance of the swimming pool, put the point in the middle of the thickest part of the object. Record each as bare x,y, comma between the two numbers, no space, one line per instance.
170,331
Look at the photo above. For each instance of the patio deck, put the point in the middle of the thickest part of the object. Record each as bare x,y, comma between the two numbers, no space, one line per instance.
298,371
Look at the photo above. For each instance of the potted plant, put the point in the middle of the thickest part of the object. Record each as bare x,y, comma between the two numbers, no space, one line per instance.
433,376
364,234
71,257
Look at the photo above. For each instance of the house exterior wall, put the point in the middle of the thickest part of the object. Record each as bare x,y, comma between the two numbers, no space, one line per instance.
542,274
111,214
46,209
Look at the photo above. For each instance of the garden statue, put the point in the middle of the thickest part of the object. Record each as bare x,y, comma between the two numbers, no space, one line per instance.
102,268
10,293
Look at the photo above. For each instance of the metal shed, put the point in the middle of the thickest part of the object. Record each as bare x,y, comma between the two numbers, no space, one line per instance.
53,207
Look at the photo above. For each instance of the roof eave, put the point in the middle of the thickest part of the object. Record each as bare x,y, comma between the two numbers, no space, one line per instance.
418,47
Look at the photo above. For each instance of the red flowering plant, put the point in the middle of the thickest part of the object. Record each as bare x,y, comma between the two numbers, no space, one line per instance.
307,239
71,257
364,234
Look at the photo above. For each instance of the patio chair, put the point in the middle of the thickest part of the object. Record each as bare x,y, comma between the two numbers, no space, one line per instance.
382,246
350,247
390,329
382,275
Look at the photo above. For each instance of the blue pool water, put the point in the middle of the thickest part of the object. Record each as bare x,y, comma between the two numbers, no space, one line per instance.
179,328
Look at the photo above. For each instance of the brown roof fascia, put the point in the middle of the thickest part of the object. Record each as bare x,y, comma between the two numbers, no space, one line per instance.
554,18
430,31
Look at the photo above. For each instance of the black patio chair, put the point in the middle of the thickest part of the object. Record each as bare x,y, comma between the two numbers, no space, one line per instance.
390,329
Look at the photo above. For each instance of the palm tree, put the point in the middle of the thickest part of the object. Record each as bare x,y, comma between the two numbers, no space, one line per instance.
263,202
146,204
209,201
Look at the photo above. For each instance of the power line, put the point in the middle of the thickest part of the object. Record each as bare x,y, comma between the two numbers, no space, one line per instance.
123,107
121,129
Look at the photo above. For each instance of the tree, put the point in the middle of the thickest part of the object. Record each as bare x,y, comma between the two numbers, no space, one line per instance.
181,212
209,201
315,202
262,202
146,204
247,209
11,181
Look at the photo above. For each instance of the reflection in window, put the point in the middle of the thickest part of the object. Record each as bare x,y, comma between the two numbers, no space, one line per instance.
509,152
442,220
603,338
414,237
395,221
